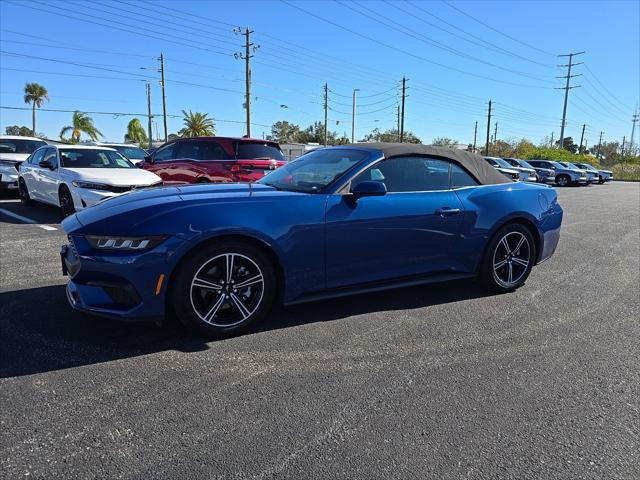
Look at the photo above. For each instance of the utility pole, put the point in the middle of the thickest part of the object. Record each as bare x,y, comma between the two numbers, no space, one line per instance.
475,134
495,133
149,114
353,116
486,148
624,140
584,125
634,120
404,91
566,89
599,144
398,121
551,139
246,56
326,113
164,97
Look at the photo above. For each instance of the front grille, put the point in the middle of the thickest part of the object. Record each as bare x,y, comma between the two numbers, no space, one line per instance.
123,189
120,296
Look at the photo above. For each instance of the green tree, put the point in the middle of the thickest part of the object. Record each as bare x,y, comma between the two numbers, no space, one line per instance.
390,136
80,123
35,94
197,124
523,148
284,132
135,132
19,130
568,145
444,142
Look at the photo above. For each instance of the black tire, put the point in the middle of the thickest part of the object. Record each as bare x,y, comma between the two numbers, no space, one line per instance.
496,279
66,201
194,301
563,180
23,192
600,180
203,180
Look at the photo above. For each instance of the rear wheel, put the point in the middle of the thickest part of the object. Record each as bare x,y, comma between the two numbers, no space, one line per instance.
563,180
600,179
223,289
66,201
23,191
509,259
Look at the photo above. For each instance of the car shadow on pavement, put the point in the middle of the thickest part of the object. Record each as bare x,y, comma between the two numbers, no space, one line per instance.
40,332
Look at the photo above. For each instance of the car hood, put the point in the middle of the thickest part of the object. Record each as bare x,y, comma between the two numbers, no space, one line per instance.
525,169
606,171
547,171
118,177
141,207
14,157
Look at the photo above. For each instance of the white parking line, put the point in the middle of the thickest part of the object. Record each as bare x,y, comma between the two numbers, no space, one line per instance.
26,219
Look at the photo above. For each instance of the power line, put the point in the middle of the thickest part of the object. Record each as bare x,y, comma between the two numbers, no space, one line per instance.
450,5
406,52
377,16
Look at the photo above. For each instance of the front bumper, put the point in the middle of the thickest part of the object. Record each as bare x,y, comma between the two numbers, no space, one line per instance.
84,197
124,286
8,178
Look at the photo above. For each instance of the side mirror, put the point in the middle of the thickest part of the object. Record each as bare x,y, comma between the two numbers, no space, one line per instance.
369,188
46,164
148,159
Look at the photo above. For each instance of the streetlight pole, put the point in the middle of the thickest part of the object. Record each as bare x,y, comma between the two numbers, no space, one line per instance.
353,116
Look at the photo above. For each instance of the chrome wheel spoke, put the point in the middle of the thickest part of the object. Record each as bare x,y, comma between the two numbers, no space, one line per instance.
229,265
240,306
249,281
521,261
510,272
522,240
500,264
205,284
505,244
212,312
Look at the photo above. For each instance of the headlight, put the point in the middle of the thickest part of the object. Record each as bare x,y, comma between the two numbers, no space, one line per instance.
124,243
91,186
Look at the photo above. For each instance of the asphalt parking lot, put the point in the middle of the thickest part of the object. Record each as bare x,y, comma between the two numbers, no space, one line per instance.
427,382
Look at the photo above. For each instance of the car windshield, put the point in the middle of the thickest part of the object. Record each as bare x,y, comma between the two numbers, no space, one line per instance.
315,171
502,163
586,166
571,165
129,151
254,150
19,146
524,164
92,158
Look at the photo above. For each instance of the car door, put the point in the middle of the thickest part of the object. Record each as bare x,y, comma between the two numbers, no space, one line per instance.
162,163
49,178
29,172
412,230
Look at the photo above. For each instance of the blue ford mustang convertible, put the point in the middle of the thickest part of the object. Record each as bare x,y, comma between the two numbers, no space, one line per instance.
336,221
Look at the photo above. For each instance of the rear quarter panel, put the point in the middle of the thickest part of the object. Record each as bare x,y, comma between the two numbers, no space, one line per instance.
487,208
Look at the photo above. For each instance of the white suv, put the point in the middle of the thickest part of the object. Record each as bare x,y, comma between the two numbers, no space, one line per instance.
13,151
74,177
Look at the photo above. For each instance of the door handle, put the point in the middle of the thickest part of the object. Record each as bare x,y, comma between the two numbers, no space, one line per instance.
446,211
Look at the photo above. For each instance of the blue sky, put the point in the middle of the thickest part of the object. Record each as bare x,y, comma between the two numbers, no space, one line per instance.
456,55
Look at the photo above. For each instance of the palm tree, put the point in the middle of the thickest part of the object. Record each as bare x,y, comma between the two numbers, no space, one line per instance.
35,94
81,123
135,132
197,125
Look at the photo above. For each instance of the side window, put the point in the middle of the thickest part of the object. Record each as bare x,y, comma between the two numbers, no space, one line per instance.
408,174
52,156
201,150
37,156
461,178
165,153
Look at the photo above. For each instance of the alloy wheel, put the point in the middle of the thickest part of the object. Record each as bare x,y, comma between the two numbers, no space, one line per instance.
66,203
511,259
227,290
562,181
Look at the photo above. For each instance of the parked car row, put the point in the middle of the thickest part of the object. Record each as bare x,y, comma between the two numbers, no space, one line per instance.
561,174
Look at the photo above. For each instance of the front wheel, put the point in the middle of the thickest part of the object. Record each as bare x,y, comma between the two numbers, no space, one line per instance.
600,180
509,259
562,180
23,191
223,289
66,201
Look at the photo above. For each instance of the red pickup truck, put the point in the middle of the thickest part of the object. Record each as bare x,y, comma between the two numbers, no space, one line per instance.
214,160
